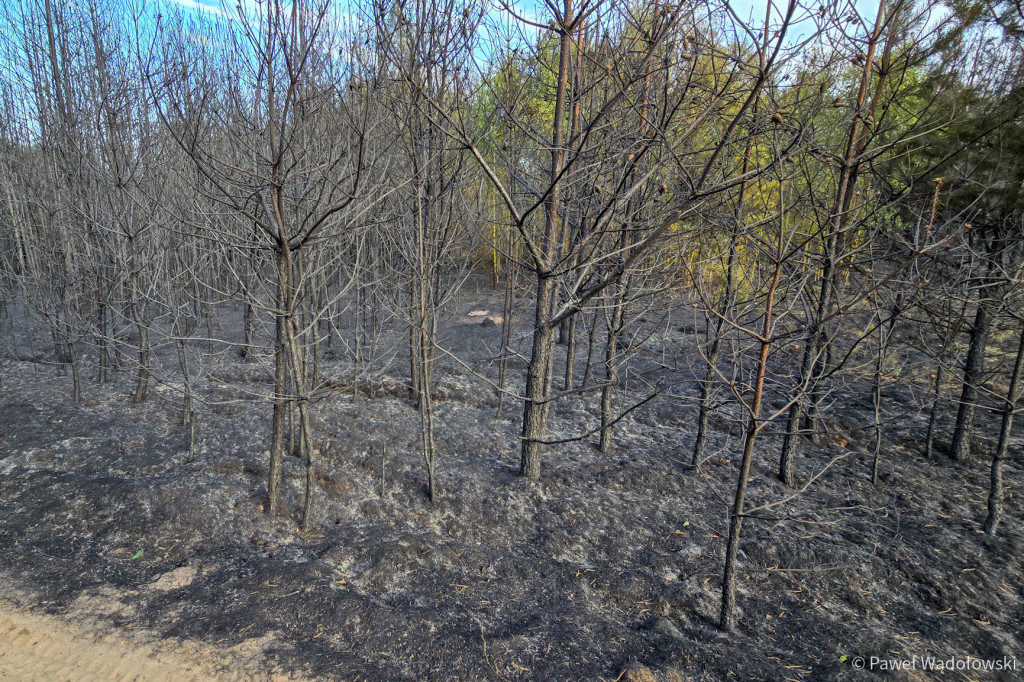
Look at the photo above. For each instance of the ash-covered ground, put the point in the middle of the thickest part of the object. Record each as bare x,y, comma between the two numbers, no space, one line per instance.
608,568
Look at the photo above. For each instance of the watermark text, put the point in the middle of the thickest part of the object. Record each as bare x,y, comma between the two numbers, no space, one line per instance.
937,664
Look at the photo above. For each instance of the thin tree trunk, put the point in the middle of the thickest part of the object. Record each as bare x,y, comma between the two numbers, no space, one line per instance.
876,401
248,352
707,385
811,339
995,491
588,370
76,383
973,369
188,417
101,340
608,390
933,415
358,334
142,385
570,353
815,397
495,255
538,377
424,329
186,405
303,423
885,333
506,330
538,381
726,619
281,399
142,379
415,356
115,343
845,192
294,448
426,410
208,316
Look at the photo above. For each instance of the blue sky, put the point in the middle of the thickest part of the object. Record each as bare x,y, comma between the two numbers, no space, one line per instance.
752,11
744,8
196,5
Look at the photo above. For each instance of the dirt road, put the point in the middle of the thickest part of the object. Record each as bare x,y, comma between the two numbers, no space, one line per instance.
34,647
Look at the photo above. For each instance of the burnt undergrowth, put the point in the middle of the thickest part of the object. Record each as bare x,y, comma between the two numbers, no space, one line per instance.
607,561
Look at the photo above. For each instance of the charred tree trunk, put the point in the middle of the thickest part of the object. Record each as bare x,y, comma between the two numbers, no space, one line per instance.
281,398
304,428
415,357
726,618
76,383
248,352
857,138
424,328
810,359
538,377
611,373
876,402
426,413
101,343
885,333
588,370
142,329
142,384
974,366
188,415
933,414
570,353
538,380
506,328
995,491
809,423
708,383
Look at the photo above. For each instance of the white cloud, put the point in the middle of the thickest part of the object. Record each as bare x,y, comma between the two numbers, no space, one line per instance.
200,7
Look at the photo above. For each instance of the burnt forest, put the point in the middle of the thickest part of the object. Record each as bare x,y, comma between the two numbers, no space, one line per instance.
621,340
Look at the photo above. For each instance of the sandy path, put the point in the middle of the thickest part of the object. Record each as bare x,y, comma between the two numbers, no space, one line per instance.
34,647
